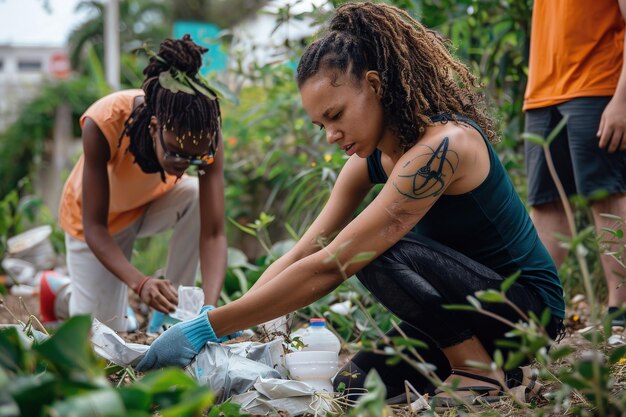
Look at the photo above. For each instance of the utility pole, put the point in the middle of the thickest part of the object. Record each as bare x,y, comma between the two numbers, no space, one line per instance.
112,44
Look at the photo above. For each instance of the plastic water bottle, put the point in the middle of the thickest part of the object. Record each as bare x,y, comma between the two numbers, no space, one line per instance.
318,360
318,338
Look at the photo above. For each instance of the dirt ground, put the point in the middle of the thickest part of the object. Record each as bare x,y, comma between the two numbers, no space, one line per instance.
21,307
14,308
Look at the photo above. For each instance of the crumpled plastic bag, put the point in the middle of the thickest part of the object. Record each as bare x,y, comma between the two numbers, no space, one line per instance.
110,346
252,374
270,353
226,369
27,335
190,301
294,397
233,369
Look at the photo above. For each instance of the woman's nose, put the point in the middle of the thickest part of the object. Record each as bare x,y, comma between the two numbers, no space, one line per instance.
332,135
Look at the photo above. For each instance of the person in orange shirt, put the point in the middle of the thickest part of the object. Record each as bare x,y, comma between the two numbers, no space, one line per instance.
577,71
130,182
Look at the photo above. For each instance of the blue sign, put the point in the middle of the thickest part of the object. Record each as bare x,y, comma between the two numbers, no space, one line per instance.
204,34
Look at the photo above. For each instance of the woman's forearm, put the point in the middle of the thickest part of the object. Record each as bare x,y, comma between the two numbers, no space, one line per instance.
111,256
213,267
274,269
295,287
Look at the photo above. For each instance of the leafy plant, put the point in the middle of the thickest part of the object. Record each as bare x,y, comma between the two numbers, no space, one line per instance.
62,376
590,376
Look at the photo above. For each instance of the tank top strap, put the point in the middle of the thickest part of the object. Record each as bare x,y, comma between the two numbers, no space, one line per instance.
444,117
375,168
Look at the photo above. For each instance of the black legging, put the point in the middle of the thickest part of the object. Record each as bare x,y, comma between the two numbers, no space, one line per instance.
414,279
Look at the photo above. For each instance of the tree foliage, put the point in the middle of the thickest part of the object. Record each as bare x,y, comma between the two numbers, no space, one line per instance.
141,21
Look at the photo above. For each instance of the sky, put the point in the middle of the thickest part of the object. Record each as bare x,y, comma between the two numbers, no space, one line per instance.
26,22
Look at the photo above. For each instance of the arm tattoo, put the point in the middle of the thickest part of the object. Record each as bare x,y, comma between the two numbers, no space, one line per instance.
429,180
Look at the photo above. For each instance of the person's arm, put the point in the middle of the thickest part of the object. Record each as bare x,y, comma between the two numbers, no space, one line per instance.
418,179
213,246
350,189
420,176
612,129
158,294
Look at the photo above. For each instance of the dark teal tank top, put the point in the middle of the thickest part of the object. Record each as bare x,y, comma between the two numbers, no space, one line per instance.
491,226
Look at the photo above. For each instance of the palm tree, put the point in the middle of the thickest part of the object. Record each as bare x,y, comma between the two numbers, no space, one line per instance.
148,21
141,21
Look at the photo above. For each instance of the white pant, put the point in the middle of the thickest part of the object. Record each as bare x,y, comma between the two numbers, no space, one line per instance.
94,289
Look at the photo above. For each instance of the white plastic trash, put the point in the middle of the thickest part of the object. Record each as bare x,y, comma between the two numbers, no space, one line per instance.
34,246
317,337
315,368
20,271
24,290
190,301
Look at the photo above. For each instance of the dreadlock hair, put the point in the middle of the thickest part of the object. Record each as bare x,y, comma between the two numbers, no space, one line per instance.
180,112
420,78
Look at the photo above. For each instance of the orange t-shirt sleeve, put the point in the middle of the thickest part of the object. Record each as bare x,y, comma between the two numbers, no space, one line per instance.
107,113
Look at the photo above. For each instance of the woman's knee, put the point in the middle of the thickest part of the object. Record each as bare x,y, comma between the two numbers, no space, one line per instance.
402,253
400,289
413,252
371,273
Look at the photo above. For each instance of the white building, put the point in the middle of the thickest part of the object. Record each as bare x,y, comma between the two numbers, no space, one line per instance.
22,70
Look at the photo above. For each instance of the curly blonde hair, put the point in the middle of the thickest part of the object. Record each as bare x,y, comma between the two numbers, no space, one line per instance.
420,77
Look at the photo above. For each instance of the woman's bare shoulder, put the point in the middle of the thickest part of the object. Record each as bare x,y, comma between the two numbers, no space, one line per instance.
454,131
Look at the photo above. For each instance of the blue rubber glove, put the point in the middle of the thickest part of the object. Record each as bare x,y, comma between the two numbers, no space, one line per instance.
179,344
222,339
206,308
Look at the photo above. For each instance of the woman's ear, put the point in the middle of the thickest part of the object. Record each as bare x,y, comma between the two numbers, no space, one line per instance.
373,79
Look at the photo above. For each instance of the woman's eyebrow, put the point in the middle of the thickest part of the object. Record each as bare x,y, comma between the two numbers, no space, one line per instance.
328,111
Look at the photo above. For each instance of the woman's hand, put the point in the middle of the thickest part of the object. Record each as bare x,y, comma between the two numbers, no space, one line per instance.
159,294
179,344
